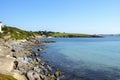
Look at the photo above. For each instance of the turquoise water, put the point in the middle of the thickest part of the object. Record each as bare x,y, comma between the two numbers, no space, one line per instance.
85,58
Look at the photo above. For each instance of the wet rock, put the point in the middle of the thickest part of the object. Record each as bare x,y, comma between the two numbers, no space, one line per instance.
50,77
42,63
40,49
45,71
49,68
57,74
42,77
49,41
36,54
38,59
37,69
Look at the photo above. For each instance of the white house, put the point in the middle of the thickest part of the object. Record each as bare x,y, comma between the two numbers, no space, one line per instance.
1,26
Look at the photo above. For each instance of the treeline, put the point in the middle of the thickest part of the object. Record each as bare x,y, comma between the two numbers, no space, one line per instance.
58,34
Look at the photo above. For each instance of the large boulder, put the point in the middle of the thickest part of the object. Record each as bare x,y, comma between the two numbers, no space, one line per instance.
6,64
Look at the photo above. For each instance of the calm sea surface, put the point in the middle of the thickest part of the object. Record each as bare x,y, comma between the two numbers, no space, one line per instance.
85,58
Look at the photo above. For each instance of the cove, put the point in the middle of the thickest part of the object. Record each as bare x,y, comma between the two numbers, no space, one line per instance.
85,58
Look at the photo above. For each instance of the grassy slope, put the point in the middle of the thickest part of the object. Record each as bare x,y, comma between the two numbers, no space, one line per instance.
16,33
6,77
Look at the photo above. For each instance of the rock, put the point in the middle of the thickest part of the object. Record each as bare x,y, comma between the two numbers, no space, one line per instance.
15,64
31,75
42,63
49,68
38,59
40,49
18,76
45,71
22,70
49,41
6,64
36,76
57,74
50,77
36,54
4,51
23,62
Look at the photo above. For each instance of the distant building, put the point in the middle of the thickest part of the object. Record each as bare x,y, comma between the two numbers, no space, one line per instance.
1,26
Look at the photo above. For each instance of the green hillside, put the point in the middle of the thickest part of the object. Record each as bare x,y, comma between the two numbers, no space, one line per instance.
15,33
69,35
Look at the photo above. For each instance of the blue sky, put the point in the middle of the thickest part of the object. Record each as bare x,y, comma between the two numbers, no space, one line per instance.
75,16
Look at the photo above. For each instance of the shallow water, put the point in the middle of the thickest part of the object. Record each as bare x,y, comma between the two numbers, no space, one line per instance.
85,58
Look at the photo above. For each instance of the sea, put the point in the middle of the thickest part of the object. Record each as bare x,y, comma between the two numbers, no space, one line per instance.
85,58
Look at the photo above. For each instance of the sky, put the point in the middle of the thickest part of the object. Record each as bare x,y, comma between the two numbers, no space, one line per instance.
72,16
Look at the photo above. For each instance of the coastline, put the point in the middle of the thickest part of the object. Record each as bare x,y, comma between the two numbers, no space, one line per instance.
19,60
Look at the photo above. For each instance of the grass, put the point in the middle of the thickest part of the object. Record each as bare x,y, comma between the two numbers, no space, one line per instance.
16,33
6,77
70,35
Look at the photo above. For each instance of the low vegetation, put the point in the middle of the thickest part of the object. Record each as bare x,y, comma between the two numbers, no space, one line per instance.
15,33
6,77
69,35
58,34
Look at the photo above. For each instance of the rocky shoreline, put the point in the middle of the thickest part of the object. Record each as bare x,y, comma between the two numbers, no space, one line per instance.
18,58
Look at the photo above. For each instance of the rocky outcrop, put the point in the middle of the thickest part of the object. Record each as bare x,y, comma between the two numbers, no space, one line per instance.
23,63
6,61
6,64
